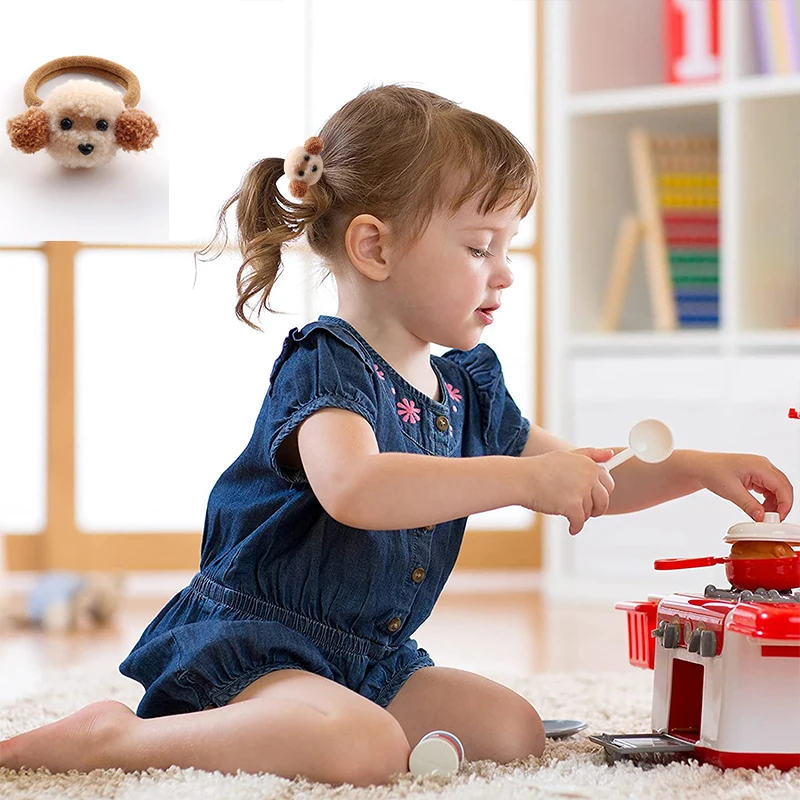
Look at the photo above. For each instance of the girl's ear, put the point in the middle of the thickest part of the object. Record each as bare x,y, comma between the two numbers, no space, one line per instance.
365,242
29,131
135,130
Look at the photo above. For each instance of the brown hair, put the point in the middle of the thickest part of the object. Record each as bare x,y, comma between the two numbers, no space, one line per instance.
393,151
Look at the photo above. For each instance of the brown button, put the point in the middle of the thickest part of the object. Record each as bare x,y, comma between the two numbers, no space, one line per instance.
429,528
395,624
417,575
442,424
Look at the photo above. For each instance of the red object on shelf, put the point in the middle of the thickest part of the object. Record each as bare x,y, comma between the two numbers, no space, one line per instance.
692,40
793,414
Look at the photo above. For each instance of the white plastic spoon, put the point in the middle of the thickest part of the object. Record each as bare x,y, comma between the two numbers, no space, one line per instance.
649,440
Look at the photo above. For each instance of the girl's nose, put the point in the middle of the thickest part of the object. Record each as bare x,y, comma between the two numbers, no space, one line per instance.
504,277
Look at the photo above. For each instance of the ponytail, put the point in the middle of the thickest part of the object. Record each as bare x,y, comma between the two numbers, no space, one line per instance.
266,220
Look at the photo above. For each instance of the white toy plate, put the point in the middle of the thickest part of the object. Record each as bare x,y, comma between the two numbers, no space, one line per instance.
561,728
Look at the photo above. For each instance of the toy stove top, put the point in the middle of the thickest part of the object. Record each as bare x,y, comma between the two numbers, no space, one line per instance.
746,596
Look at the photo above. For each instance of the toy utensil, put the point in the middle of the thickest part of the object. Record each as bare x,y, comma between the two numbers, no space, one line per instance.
649,440
438,752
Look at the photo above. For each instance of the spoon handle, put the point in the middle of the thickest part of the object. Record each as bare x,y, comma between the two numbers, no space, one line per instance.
619,458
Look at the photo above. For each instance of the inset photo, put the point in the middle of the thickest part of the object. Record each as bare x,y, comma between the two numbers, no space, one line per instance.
84,152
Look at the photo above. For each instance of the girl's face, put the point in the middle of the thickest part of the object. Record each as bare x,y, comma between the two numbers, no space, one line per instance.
458,266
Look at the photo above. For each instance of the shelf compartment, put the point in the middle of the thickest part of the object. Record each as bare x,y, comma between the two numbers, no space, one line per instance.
616,44
769,206
601,185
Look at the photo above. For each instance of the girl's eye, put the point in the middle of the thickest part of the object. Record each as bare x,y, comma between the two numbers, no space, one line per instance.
478,253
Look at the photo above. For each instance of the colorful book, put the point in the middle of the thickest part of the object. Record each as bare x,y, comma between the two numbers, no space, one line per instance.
776,35
792,33
763,36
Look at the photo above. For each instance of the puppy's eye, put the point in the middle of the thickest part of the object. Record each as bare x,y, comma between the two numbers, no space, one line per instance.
66,124
102,125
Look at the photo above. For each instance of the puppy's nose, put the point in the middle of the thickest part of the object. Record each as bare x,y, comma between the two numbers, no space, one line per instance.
86,149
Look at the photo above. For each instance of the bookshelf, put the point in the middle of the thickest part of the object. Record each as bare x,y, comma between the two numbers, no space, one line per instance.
727,388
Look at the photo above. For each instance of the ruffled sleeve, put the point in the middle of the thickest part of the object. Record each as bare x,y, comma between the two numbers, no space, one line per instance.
503,428
316,369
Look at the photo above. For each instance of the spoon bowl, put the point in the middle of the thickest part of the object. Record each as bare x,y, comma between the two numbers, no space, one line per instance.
649,440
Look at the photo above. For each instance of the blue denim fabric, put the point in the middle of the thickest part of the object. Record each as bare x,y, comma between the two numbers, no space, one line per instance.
283,585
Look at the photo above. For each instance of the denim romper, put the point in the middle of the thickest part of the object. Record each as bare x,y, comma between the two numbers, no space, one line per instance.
283,585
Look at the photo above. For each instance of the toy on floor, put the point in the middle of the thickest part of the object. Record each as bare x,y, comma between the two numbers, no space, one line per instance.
68,601
436,753
441,752
726,663
562,728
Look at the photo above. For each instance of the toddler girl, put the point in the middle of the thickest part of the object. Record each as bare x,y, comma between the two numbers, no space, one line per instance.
329,539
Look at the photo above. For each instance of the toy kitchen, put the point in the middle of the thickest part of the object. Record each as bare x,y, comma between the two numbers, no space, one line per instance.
726,662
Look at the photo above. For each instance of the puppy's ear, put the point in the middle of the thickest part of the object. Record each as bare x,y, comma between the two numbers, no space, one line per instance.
135,130
29,131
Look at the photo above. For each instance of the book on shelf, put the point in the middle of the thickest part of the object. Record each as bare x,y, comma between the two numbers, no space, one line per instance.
691,30
776,35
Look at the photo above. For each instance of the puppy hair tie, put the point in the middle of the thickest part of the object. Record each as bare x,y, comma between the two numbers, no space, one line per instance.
83,122
303,166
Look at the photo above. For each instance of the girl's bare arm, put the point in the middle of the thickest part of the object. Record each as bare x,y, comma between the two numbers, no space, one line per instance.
361,487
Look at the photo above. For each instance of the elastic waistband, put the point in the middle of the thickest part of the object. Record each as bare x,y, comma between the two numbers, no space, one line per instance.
322,635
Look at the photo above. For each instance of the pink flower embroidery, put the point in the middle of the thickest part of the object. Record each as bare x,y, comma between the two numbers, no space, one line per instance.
454,408
408,411
380,374
393,391
454,393
451,431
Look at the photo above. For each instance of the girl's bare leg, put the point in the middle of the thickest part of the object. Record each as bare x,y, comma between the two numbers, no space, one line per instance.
288,723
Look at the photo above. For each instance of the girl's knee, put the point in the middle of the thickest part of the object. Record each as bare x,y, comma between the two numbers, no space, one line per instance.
369,749
521,735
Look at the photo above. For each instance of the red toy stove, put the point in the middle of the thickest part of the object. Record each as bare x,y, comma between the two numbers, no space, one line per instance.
726,663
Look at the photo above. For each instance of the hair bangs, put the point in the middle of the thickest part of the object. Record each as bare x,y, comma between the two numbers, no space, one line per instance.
497,170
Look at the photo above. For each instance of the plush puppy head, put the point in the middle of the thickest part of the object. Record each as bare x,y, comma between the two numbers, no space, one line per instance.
82,124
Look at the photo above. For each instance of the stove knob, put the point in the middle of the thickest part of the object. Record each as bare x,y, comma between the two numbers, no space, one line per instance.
708,644
694,641
672,636
659,631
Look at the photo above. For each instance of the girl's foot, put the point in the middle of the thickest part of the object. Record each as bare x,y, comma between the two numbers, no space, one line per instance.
80,741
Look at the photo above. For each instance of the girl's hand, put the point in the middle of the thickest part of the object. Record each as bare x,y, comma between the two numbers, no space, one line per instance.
733,475
568,482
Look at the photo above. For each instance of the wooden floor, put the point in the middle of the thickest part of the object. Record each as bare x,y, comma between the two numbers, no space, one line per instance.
482,624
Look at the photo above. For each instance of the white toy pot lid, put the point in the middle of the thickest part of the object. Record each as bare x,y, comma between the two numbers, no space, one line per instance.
770,530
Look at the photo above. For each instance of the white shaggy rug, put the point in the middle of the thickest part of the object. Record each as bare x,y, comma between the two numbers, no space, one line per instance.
570,768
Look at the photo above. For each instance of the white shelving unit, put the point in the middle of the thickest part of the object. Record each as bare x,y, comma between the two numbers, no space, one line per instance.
726,389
